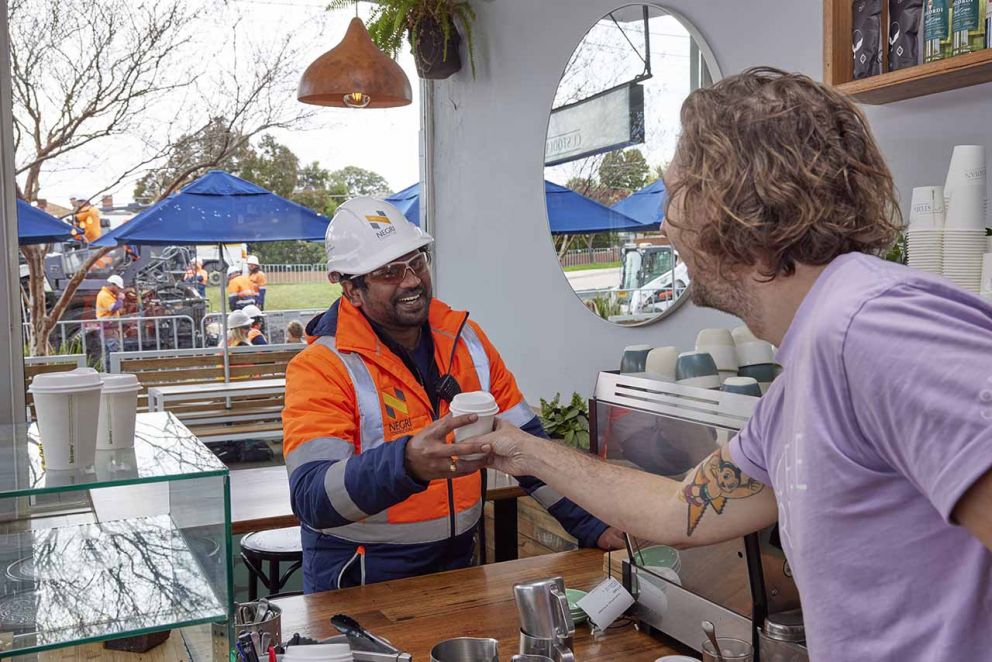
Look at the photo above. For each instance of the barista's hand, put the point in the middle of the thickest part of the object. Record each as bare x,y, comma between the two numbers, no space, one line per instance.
612,538
429,456
506,446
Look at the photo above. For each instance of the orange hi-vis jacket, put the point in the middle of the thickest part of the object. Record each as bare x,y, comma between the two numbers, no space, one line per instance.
88,220
258,280
242,287
351,406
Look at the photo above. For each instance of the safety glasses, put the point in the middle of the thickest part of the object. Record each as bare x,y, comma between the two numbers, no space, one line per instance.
394,272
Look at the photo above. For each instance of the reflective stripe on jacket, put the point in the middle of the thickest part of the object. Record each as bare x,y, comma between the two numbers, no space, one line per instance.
240,286
351,407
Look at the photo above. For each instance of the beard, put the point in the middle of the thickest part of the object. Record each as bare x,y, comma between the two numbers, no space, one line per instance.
713,291
403,315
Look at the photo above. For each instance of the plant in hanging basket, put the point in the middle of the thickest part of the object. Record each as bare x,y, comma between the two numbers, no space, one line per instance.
432,28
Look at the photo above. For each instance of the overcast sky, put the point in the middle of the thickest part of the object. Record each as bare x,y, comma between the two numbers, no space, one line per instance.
385,141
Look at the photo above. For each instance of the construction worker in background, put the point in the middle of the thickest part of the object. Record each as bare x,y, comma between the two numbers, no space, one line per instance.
87,220
373,478
258,279
240,291
109,302
196,277
255,334
238,327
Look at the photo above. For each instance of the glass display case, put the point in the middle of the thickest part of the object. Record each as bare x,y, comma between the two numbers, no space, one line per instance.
138,543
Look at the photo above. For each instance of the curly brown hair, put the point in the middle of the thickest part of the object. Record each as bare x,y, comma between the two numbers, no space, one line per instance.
775,169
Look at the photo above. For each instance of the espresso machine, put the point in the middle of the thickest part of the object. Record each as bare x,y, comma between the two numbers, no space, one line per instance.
743,586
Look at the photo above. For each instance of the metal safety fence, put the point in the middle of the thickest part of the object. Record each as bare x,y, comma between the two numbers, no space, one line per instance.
590,256
281,274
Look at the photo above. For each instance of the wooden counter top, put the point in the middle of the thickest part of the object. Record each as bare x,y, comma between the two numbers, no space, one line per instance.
417,613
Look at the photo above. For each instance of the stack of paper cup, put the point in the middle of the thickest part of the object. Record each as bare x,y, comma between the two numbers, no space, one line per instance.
68,408
482,404
964,230
719,343
924,237
118,410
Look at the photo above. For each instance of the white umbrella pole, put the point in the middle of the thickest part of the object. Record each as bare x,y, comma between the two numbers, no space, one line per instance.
223,319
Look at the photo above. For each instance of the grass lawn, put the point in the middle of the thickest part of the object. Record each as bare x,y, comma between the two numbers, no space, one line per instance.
587,267
295,296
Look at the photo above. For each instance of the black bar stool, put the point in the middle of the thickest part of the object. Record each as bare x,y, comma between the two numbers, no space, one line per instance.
274,547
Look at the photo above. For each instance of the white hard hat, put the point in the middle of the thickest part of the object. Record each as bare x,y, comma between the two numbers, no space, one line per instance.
238,320
366,234
251,310
116,280
253,259
233,269
80,197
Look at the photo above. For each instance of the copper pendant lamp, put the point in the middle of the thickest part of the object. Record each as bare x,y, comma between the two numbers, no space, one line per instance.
355,74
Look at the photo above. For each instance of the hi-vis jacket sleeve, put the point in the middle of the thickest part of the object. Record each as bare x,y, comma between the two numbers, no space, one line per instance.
514,409
330,484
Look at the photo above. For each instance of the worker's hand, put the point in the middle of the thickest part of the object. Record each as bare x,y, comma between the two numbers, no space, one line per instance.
610,539
506,445
429,456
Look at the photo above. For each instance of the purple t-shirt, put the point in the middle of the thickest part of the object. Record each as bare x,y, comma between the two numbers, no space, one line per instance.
878,424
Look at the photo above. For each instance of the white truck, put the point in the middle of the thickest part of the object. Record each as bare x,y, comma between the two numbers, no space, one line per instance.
652,277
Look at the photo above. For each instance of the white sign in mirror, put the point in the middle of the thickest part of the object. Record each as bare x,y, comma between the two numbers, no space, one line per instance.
612,132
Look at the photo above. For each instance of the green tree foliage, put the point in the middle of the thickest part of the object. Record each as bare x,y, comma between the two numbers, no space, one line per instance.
358,181
190,152
626,170
272,166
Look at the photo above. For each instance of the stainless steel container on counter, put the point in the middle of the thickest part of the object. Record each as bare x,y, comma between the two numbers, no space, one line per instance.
782,638
466,649
546,625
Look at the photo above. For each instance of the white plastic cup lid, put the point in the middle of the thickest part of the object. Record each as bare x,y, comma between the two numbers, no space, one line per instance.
123,383
81,379
474,402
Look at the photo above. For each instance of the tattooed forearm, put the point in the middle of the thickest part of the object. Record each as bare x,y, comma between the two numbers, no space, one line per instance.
714,481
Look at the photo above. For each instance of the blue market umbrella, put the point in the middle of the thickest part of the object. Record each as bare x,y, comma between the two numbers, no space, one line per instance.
646,205
572,213
568,212
35,226
408,202
219,208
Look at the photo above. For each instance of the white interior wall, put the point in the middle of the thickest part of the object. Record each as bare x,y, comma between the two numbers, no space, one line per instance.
494,253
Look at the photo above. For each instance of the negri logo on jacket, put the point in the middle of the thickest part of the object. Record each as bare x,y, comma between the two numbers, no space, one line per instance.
395,404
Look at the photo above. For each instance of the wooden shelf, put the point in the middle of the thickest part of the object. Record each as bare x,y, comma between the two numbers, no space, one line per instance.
940,76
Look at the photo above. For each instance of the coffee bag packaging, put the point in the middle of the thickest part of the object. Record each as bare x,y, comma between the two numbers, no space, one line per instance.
905,19
937,30
866,37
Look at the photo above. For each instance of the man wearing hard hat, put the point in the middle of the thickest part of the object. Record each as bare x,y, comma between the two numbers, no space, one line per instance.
109,302
240,291
258,279
372,477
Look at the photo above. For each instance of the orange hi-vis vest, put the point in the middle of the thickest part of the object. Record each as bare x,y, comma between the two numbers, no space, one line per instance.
347,394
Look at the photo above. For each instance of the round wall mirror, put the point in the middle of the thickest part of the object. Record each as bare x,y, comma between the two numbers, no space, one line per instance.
612,132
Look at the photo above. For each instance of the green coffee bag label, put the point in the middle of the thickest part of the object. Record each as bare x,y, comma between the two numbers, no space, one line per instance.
936,20
966,13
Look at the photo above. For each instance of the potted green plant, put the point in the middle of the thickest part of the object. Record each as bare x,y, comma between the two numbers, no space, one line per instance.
432,28
568,422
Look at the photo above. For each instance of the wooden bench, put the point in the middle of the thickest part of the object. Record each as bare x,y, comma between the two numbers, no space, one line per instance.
215,417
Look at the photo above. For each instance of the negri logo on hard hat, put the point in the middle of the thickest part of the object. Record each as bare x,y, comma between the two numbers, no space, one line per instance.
381,223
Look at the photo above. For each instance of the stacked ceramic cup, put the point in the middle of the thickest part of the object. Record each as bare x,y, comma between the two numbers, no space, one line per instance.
719,344
925,235
756,358
964,229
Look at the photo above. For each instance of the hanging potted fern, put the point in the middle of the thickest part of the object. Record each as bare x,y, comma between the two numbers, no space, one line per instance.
432,28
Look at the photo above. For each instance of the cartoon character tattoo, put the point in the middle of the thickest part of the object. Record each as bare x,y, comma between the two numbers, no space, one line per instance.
716,480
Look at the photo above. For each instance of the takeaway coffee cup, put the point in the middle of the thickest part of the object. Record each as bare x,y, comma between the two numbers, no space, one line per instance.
118,409
68,408
483,405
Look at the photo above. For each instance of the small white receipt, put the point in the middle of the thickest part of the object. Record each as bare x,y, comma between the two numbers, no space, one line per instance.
606,603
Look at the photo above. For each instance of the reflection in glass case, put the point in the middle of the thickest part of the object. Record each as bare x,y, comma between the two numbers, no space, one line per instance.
137,543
